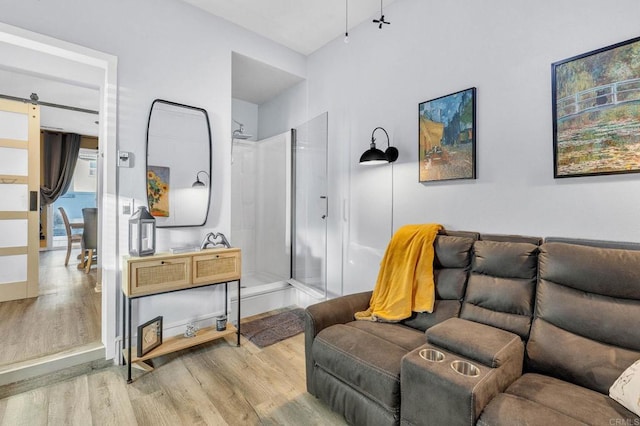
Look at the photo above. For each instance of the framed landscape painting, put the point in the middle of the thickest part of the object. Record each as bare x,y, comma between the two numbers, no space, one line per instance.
596,112
447,137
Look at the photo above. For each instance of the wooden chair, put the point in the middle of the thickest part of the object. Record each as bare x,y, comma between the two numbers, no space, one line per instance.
90,236
71,237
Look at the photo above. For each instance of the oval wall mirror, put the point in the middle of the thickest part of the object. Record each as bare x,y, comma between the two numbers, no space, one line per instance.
178,164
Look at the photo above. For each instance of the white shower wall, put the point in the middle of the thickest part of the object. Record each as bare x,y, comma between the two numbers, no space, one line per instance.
260,222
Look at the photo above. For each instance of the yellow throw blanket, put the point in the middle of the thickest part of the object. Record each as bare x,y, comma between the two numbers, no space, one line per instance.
405,281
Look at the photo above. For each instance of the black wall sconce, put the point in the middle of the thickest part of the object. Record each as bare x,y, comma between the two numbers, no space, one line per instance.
374,156
198,183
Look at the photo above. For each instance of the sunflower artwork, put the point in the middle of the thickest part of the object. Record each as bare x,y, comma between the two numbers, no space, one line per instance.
158,190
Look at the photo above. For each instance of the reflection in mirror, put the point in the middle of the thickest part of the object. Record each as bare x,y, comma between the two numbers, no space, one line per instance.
178,152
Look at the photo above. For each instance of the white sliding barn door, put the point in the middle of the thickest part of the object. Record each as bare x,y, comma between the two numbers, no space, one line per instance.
19,199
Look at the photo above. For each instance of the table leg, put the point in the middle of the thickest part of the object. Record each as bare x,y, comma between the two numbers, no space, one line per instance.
238,344
129,342
82,256
124,326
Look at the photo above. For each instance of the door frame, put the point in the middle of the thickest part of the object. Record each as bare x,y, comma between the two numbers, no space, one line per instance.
81,65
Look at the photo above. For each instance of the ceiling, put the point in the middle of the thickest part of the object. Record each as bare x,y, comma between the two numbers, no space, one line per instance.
301,25
256,82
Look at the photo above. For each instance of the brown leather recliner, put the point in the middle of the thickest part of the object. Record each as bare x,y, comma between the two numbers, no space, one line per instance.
545,329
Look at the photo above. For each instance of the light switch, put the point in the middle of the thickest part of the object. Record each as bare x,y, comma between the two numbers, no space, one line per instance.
127,207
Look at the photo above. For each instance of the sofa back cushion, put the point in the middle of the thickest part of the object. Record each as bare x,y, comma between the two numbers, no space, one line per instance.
505,238
585,328
452,259
501,287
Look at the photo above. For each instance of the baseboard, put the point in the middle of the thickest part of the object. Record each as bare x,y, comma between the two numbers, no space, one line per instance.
261,302
304,299
55,363
179,327
312,292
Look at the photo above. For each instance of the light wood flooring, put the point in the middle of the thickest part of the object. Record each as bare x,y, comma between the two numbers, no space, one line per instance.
212,384
65,315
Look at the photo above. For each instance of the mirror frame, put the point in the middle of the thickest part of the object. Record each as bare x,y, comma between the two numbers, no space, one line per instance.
146,160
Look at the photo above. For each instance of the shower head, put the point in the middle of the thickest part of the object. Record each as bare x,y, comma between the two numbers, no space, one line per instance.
239,133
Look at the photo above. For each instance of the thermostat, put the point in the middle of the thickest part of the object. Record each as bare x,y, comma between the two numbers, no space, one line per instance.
124,159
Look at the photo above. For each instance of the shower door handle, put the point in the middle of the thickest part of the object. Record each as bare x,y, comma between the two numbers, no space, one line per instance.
326,206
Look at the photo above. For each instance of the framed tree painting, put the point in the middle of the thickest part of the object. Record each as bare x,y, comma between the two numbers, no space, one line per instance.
447,137
596,112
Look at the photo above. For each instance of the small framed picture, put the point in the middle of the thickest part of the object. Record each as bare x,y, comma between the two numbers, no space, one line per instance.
149,336
447,137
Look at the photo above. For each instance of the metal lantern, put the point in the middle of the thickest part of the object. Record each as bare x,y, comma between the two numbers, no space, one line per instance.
142,233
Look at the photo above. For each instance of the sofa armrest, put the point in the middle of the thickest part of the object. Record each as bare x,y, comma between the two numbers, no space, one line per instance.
435,393
479,342
325,314
335,311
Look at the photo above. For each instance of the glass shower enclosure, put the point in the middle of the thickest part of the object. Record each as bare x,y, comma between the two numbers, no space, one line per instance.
309,205
279,208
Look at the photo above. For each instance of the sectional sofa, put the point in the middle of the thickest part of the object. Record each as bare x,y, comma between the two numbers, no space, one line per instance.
524,331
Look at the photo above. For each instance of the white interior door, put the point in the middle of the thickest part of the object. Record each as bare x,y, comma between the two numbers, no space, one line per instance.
19,199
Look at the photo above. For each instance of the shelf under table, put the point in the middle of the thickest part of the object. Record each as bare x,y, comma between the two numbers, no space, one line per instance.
179,342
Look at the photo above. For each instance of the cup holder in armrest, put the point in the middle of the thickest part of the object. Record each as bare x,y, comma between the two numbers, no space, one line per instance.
465,368
431,355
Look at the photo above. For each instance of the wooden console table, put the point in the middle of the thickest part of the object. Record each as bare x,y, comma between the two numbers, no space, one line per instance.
165,273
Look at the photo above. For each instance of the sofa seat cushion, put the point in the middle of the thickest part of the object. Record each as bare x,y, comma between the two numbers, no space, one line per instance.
537,399
366,356
506,409
401,335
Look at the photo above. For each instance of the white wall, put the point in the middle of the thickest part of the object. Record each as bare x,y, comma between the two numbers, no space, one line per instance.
272,219
259,203
502,47
284,112
170,50
244,173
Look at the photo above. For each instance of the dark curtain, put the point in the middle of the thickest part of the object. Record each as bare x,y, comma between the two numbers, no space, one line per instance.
59,155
